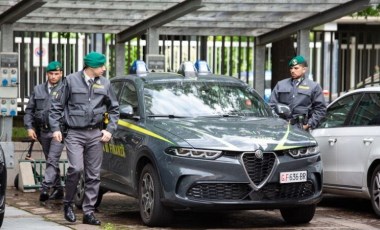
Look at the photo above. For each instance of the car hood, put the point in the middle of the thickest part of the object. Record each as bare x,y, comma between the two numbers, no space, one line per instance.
233,134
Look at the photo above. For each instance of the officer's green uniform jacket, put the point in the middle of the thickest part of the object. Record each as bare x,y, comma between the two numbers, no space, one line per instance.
305,99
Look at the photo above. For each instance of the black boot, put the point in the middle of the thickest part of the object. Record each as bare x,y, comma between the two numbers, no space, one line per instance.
44,195
57,194
69,213
90,219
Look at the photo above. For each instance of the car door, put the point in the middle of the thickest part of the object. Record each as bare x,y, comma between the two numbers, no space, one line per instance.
119,152
329,131
109,148
355,144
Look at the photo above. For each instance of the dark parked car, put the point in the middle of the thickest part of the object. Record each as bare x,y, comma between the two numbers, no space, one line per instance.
3,185
349,139
195,141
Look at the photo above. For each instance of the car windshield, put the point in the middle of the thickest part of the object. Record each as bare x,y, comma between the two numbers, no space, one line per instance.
195,98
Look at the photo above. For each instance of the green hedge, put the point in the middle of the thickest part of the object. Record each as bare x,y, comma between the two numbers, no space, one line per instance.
19,133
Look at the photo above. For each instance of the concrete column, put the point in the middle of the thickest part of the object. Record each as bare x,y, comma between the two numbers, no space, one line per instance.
259,69
120,59
303,41
152,41
6,38
6,122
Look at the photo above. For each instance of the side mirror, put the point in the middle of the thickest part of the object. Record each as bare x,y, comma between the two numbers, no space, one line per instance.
126,111
282,110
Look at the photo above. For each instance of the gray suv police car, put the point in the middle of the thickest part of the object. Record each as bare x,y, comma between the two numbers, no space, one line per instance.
199,141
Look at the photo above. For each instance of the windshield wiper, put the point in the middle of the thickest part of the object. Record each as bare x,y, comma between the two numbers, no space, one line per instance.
220,115
167,116
229,115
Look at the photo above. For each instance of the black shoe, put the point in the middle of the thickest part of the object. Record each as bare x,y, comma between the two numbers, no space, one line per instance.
56,195
44,195
69,213
90,219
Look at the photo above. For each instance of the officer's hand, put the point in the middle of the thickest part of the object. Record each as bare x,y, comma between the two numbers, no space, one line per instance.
306,127
32,134
57,135
106,136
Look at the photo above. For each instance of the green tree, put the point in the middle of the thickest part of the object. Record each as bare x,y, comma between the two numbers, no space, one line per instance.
373,10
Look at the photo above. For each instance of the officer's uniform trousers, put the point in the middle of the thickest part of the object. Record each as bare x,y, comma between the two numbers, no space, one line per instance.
86,141
52,150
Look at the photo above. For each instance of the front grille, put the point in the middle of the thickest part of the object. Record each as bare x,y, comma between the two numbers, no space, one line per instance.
284,191
258,169
218,191
269,192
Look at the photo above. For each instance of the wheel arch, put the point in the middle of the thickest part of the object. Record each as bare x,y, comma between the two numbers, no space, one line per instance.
371,169
146,157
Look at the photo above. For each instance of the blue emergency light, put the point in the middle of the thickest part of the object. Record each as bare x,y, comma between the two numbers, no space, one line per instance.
138,67
202,67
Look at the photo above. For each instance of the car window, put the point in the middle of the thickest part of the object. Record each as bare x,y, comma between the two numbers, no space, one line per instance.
368,111
129,97
117,86
338,112
193,98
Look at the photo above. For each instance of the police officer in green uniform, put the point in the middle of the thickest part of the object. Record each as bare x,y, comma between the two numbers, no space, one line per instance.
303,96
36,121
83,100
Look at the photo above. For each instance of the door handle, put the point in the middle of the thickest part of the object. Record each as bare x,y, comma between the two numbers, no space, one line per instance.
332,141
367,140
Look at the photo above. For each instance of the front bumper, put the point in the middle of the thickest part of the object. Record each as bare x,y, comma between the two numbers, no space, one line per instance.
230,182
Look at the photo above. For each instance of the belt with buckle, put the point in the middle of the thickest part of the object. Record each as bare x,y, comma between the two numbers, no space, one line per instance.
86,128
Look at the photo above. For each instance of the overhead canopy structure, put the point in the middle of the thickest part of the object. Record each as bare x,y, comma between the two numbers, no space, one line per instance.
263,19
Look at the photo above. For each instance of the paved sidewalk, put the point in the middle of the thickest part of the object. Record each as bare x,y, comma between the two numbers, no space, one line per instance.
25,211
18,219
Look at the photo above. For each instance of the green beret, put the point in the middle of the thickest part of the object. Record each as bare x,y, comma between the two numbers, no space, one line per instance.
54,66
94,60
297,60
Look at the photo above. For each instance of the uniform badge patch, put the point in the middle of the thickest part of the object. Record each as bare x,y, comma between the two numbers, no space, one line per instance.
303,87
98,86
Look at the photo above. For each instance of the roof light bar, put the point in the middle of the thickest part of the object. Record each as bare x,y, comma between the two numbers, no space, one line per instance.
202,67
139,67
187,69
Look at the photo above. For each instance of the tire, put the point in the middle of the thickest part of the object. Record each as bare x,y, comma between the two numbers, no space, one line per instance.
15,182
1,218
375,190
2,208
153,213
298,215
79,196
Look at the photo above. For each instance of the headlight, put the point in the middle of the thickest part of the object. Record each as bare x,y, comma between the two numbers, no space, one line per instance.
303,152
194,153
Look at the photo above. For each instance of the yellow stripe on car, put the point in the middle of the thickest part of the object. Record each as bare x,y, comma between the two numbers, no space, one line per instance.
142,130
281,145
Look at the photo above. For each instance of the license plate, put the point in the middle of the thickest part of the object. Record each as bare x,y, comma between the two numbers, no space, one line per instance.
293,177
